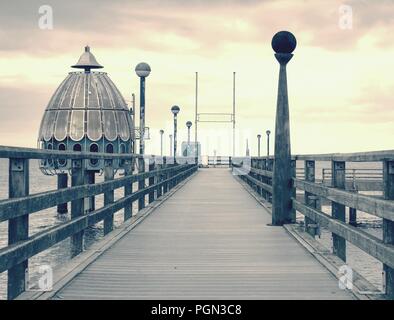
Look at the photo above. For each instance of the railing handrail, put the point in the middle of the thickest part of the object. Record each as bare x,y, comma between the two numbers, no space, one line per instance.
7,152
368,156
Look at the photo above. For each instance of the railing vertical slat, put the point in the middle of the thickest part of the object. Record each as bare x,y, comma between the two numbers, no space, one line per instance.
128,190
62,181
108,195
159,178
141,183
152,180
338,210
388,225
18,228
310,174
77,206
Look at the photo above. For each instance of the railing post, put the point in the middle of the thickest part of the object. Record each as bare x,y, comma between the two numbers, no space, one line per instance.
338,210
160,178
62,182
77,206
128,189
388,225
108,195
90,179
293,212
18,228
141,183
283,44
165,176
309,199
152,179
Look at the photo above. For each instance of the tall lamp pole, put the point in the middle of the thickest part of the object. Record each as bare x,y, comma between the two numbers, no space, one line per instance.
268,142
161,142
188,125
258,144
170,136
175,110
283,43
142,70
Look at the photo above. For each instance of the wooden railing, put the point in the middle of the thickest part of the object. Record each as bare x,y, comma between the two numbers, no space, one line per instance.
162,176
341,196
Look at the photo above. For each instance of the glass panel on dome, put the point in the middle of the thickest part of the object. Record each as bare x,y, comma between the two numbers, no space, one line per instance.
94,125
92,93
108,90
109,125
49,125
54,103
80,93
105,100
77,125
123,127
61,125
114,93
67,93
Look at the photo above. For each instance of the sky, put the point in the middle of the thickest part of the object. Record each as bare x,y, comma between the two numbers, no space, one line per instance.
340,80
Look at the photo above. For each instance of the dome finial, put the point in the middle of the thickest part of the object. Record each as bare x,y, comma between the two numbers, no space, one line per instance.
87,61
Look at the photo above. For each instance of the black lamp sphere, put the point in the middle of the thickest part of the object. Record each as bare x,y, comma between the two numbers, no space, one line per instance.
284,42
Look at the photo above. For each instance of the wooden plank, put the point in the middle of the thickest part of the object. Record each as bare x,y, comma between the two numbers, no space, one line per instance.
338,209
77,205
30,153
62,183
18,228
372,205
262,185
349,157
388,225
128,190
310,171
108,196
210,240
151,180
261,172
141,183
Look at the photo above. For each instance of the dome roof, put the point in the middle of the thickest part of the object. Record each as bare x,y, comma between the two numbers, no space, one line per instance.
86,104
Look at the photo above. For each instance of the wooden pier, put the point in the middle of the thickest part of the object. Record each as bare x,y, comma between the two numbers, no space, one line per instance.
209,240
217,233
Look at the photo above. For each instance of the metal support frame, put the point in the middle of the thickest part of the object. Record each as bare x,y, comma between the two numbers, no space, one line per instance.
197,115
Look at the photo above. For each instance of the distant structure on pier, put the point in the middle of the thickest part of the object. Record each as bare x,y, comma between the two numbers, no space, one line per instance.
86,113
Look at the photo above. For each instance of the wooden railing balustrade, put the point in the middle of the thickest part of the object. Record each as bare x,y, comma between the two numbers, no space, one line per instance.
162,176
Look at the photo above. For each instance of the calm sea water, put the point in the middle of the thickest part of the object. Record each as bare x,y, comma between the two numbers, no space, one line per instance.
369,267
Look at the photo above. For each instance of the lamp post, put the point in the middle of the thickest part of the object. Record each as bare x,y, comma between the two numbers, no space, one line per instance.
268,142
170,136
175,110
142,70
161,142
283,43
258,144
188,125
